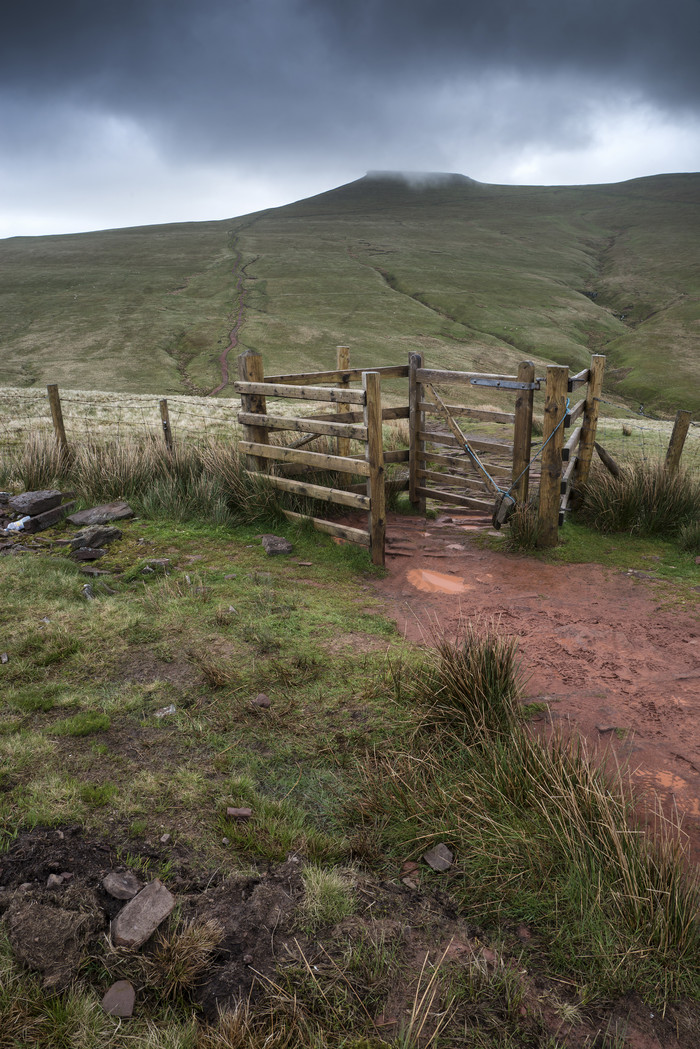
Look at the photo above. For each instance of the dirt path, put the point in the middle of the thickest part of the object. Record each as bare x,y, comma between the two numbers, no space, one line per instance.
239,270
595,644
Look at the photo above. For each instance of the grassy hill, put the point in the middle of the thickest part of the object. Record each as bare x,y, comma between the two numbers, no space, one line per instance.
473,275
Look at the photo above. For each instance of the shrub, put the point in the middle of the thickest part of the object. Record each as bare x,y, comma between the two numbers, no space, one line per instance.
645,500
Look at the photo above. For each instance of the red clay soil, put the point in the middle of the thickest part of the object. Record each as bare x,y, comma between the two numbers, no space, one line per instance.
595,645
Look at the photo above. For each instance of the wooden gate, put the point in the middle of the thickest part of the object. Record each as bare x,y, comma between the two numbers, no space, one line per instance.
478,472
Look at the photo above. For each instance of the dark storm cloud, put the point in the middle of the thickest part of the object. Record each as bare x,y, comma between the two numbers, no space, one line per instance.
278,89
278,66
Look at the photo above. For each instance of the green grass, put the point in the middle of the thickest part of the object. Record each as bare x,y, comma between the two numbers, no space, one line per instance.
476,276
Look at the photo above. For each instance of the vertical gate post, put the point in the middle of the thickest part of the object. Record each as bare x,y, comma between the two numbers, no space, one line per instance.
416,423
343,364
165,420
57,416
589,425
522,433
374,454
250,369
675,446
553,438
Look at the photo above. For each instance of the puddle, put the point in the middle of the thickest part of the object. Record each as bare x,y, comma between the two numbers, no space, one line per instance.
436,582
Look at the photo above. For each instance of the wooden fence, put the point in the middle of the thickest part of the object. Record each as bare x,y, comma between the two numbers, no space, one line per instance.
358,416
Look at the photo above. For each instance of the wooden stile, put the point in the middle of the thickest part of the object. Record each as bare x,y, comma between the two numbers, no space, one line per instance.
678,436
300,425
353,535
553,442
317,491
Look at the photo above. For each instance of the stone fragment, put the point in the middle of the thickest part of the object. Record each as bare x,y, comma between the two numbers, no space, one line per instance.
156,564
606,728
165,712
116,511
95,536
121,886
34,503
119,999
440,858
261,700
240,815
54,881
139,919
276,544
165,839
46,520
88,553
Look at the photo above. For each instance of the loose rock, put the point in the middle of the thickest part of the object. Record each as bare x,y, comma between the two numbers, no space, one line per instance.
119,999
88,553
263,701
276,544
140,918
240,815
33,503
116,511
440,858
121,886
96,536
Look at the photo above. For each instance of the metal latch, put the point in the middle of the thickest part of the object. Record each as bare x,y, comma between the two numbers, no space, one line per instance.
506,384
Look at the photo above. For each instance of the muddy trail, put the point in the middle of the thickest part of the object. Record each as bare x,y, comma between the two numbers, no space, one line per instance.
240,294
599,646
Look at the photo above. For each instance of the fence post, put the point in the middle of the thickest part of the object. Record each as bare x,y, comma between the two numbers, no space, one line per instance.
250,369
57,417
522,433
678,436
165,419
343,364
374,454
589,425
416,423
553,437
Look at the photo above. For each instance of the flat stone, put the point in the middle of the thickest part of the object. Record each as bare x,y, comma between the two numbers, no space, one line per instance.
139,919
119,999
606,728
116,511
121,886
240,815
88,553
166,839
34,503
440,858
49,518
261,700
276,544
95,536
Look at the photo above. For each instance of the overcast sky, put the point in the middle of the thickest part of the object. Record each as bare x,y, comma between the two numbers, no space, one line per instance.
124,112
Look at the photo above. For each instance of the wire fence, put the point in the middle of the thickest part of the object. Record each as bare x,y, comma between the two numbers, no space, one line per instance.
641,436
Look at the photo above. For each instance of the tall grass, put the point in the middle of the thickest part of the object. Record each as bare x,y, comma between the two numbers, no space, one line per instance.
645,500
543,830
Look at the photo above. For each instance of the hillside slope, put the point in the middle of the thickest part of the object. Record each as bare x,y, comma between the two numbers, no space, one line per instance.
473,275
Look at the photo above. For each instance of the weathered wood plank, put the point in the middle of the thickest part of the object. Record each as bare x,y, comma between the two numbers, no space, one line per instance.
302,393
576,411
522,434
461,410
357,417
454,462
342,446
416,425
678,436
374,450
444,478
317,491
302,425
399,455
354,535
580,379
437,375
398,371
318,460
478,444
590,418
250,369
553,441
457,500
571,444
